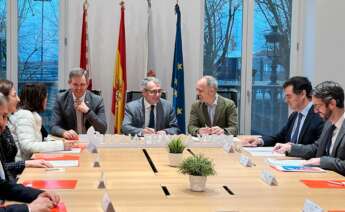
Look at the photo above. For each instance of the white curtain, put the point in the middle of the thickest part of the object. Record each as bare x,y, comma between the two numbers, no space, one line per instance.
104,20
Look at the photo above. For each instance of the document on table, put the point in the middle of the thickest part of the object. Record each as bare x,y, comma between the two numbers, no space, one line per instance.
72,151
275,162
64,163
262,151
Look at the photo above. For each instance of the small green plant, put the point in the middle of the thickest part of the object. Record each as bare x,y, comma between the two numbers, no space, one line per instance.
197,165
176,146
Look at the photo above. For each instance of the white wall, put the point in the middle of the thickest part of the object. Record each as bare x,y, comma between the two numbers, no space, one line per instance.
104,20
323,41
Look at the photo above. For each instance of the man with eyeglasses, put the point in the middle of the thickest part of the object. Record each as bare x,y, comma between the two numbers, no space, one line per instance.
77,109
304,126
212,113
328,151
150,114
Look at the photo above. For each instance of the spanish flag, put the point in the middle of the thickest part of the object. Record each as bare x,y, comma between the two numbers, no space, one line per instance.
119,81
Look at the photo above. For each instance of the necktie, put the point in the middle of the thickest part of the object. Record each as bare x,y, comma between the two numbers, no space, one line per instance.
294,137
152,117
328,138
79,118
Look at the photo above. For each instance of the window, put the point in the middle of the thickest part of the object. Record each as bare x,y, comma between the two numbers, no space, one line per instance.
38,42
3,25
271,64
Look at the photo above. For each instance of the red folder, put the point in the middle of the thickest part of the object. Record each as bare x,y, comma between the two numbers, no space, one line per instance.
51,184
59,208
42,156
324,183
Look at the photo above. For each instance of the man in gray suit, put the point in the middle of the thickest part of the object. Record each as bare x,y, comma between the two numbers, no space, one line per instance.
149,114
77,109
328,151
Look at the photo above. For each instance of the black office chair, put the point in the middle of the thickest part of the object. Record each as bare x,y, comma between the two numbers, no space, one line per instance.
230,94
134,95
97,92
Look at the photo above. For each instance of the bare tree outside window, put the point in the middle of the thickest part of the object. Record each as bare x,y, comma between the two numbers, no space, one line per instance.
38,42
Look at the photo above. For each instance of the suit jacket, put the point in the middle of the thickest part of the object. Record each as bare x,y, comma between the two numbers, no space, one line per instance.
64,116
310,131
225,116
15,192
335,161
134,120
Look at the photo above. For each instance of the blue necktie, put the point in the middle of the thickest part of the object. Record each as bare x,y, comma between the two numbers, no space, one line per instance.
294,138
328,138
152,117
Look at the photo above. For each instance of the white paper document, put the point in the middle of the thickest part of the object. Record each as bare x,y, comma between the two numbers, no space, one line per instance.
72,151
64,163
275,162
262,151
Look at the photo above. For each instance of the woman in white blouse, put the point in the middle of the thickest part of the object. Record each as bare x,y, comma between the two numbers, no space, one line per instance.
28,123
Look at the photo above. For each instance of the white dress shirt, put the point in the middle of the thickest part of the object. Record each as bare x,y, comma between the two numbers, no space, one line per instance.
147,112
338,125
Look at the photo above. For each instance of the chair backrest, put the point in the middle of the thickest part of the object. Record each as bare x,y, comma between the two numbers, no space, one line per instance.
97,92
134,95
230,94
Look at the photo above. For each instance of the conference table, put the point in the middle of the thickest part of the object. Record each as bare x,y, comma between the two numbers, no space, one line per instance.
132,184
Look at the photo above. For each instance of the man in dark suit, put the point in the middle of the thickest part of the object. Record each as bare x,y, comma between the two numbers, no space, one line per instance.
39,200
149,114
304,126
77,109
212,113
328,151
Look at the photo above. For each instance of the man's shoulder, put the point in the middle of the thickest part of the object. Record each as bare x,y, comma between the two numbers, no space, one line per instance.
227,102
94,97
134,104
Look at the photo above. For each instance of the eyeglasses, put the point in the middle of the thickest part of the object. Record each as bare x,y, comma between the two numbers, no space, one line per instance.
155,92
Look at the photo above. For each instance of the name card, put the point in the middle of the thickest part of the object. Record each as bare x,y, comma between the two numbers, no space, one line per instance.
269,178
310,206
92,147
101,183
107,204
246,161
96,162
229,147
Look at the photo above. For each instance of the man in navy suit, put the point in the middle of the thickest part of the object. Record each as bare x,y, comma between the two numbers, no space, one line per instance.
150,114
328,151
304,126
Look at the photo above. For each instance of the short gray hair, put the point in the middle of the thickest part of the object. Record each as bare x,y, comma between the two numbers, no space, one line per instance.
77,72
211,81
146,80
3,99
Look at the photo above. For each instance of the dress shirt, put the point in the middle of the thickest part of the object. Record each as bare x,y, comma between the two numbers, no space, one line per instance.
147,112
211,109
304,113
338,125
79,115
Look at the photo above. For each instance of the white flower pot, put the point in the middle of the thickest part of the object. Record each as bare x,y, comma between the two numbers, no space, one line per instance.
197,183
175,159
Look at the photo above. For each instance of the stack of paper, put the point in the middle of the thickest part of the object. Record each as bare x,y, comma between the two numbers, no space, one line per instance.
292,166
59,160
262,151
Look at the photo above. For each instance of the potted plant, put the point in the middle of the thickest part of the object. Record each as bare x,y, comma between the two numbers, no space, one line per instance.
175,147
198,167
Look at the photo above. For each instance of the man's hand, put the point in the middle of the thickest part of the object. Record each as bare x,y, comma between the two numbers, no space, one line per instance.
282,148
70,135
250,141
312,162
41,204
217,131
82,107
38,164
147,130
205,131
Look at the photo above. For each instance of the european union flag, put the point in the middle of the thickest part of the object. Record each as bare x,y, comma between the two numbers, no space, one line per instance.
177,82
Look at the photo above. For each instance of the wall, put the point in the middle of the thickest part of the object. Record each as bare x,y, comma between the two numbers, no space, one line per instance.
104,20
323,41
